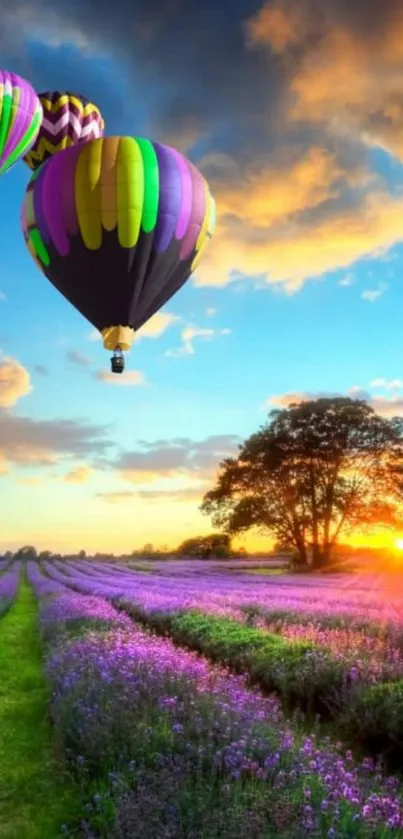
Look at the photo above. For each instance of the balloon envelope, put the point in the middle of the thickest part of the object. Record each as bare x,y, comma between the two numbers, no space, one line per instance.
20,118
117,226
68,119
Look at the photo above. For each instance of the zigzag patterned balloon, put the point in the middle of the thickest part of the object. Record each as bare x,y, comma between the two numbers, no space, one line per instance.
68,119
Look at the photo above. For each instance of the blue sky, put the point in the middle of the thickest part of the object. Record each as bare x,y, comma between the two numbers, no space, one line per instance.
299,294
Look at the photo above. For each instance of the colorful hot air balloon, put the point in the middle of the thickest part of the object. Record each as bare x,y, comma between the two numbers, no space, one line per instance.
20,118
118,225
68,119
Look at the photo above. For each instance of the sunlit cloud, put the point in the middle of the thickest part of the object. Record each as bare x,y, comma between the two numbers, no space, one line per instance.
157,325
154,328
15,382
80,475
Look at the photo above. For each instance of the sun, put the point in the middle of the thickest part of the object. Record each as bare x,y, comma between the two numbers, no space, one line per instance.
399,544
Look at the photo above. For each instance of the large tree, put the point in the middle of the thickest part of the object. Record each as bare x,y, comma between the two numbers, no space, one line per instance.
313,472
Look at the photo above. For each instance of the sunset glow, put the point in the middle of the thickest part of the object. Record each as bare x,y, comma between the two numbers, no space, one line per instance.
309,223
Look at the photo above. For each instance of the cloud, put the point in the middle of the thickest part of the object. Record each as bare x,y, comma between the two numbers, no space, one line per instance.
3,296
393,384
306,89
284,400
180,457
343,65
79,475
94,335
116,497
29,442
384,406
15,382
374,294
154,328
189,334
41,370
347,280
78,358
211,311
194,493
130,378
157,325
30,481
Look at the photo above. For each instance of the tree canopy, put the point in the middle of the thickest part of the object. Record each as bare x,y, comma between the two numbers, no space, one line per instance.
314,472
214,545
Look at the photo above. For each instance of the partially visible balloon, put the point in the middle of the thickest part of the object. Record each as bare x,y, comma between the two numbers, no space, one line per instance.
68,119
117,226
20,118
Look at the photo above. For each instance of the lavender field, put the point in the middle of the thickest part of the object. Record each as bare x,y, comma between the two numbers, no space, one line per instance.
197,703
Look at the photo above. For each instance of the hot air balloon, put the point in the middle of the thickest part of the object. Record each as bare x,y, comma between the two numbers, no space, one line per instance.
117,226
68,119
20,118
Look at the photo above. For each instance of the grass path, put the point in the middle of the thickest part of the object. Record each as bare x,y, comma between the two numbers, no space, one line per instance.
35,799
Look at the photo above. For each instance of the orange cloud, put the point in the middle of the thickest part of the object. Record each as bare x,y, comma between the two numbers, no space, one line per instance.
338,76
279,25
293,250
15,382
154,328
80,475
288,184
157,325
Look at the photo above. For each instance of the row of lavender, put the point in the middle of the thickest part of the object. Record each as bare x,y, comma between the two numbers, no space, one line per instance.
371,651
9,581
349,676
172,747
354,599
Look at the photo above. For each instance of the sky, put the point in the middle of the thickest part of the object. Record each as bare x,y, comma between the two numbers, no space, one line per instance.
293,111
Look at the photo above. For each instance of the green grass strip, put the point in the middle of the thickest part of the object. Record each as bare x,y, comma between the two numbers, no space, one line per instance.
35,797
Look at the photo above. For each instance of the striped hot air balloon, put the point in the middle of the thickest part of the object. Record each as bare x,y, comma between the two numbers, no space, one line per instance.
68,119
117,226
20,118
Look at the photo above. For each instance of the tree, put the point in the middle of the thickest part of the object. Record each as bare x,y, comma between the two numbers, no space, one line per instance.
313,472
205,547
45,556
26,552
